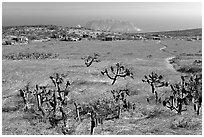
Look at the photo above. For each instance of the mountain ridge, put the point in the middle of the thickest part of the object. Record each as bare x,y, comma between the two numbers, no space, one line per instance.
113,26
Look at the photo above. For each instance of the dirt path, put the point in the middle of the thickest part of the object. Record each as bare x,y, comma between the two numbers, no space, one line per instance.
167,63
164,48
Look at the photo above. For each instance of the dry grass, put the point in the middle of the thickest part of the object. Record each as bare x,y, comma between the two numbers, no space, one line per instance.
89,85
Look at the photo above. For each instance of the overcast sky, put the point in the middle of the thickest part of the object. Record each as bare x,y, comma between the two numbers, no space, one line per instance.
147,16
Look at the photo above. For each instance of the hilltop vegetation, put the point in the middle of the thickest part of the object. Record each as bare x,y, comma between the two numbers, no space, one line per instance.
179,33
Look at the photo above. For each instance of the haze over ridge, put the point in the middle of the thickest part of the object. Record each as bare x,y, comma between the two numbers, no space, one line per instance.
112,25
157,16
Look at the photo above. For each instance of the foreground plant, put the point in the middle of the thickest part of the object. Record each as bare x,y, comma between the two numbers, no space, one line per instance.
194,88
120,99
155,81
50,101
77,109
24,93
178,99
60,96
119,70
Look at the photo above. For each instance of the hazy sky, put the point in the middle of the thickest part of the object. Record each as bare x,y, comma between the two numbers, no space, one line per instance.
147,16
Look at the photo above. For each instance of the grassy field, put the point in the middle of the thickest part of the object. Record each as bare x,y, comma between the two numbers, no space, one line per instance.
88,84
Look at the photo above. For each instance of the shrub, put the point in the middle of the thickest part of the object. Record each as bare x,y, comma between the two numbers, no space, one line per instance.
50,101
34,55
178,99
190,69
155,81
185,122
153,111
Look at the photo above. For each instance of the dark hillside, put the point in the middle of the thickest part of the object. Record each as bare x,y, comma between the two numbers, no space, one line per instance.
176,33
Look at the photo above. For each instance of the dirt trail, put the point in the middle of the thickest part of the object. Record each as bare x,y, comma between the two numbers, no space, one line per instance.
164,48
168,65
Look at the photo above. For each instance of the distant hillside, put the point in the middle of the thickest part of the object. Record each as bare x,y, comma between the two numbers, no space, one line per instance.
113,26
177,33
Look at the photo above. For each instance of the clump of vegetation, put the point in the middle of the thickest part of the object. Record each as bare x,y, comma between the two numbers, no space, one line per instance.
197,62
155,81
194,88
149,56
50,101
34,55
189,89
117,71
178,98
107,108
152,112
120,98
52,104
24,93
184,122
190,69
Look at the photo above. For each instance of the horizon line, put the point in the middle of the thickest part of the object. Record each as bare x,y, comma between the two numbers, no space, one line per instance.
93,29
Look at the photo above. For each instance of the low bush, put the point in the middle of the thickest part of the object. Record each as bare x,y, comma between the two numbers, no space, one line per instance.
34,55
184,122
190,69
152,111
